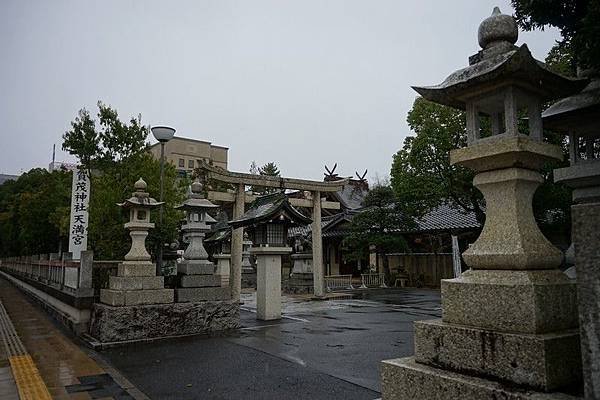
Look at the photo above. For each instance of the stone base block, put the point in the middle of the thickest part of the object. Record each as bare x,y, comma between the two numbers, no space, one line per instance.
511,301
136,297
136,282
544,362
132,268
196,269
116,324
299,283
195,295
187,281
405,379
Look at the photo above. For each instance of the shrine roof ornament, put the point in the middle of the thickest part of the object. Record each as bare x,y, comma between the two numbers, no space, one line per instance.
140,197
498,64
269,207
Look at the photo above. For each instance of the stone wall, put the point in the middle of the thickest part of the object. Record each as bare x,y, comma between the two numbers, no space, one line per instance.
116,324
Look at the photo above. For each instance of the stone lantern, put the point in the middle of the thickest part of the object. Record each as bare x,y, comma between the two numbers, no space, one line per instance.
136,281
512,317
267,222
197,276
578,116
220,240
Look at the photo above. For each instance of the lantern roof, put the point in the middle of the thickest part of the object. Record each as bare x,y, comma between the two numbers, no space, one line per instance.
575,112
500,63
270,207
196,201
140,198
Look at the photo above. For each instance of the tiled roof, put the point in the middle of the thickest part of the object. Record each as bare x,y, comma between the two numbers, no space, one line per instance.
445,217
442,218
267,207
352,196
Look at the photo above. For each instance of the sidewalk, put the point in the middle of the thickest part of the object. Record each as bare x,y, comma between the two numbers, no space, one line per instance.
67,371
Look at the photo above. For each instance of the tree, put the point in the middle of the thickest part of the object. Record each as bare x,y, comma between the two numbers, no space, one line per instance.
32,212
375,226
421,175
109,140
115,154
269,169
577,21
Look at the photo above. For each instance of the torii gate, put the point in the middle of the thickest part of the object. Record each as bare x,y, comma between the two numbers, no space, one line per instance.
240,198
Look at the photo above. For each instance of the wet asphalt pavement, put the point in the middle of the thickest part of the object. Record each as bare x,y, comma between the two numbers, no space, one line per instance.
323,350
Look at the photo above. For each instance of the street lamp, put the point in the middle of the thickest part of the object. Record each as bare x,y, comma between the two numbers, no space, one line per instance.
163,134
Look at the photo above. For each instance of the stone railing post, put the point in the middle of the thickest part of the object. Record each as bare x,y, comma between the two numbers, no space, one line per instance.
85,269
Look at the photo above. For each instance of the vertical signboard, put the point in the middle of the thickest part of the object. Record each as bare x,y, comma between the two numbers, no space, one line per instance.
78,227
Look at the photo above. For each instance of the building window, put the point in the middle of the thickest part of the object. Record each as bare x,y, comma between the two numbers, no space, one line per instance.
275,234
181,163
190,163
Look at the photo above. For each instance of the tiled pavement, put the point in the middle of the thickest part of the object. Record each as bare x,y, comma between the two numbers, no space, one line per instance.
68,371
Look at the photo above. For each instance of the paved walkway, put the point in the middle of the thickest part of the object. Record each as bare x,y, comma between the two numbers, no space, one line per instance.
322,350
67,371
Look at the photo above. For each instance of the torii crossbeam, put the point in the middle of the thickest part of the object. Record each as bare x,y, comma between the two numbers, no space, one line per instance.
239,198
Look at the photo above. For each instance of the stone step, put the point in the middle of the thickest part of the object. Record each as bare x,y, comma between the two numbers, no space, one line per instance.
136,297
544,361
190,281
196,269
136,269
511,301
405,379
136,282
195,295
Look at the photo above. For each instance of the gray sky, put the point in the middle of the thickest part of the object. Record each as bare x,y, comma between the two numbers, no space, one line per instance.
301,83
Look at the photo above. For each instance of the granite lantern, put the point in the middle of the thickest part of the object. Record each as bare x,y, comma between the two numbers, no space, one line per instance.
509,324
136,281
198,281
267,221
578,116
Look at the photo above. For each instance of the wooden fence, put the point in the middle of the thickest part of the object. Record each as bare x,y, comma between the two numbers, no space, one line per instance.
423,269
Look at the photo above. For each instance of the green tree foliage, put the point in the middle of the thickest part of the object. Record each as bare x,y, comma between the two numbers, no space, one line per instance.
269,169
32,212
99,144
421,176
115,153
577,21
375,226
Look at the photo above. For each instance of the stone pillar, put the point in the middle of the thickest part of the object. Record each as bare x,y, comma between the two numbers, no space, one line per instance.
586,239
317,247
237,239
268,281
223,267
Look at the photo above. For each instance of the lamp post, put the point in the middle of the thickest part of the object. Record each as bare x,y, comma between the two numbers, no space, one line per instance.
163,134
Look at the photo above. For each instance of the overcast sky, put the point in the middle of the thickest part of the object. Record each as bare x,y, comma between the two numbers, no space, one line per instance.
303,83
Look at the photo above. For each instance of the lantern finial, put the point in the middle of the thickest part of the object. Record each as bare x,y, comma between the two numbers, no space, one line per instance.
497,29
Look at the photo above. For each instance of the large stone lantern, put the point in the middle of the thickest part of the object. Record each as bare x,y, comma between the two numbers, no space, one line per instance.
197,276
267,222
510,322
578,116
136,282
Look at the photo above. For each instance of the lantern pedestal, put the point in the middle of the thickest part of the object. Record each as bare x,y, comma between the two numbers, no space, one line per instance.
268,281
301,279
223,267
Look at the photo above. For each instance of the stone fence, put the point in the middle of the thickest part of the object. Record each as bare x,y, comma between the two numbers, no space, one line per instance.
64,287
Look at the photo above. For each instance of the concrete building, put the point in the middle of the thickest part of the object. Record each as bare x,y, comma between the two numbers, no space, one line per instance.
187,154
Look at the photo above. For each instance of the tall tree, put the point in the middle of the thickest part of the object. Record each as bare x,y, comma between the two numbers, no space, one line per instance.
577,21
115,152
32,212
375,226
268,169
421,174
